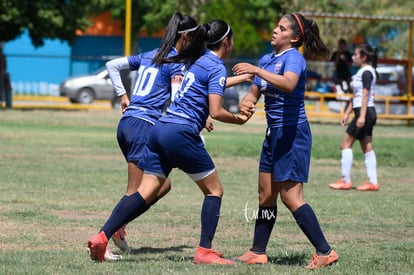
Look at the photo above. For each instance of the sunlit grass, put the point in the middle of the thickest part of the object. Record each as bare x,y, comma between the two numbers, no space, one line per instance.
61,174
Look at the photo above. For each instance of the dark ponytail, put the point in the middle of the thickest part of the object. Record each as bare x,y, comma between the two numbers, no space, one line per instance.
211,33
216,31
370,53
176,25
193,48
308,32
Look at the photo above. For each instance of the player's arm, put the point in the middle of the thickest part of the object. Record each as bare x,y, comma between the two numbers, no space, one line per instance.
217,111
114,67
347,113
238,79
286,82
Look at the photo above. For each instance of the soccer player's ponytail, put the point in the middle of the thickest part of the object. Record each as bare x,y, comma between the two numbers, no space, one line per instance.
216,31
307,31
192,48
370,53
177,25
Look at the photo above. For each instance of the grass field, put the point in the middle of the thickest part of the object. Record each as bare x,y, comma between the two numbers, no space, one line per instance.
61,173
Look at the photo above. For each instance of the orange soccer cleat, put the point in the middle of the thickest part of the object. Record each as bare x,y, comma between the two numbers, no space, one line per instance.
319,261
209,256
340,185
367,186
251,257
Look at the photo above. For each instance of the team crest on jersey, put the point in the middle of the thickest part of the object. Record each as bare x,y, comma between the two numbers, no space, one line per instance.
263,85
222,81
278,66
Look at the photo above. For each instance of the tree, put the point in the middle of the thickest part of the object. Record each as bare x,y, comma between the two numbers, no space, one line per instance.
245,17
251,20
54,19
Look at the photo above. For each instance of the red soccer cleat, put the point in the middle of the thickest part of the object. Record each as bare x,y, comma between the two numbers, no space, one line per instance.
97,247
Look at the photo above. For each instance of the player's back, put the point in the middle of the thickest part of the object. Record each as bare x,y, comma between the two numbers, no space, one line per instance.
152,87
205,76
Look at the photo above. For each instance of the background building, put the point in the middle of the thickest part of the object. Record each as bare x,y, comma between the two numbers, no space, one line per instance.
39,71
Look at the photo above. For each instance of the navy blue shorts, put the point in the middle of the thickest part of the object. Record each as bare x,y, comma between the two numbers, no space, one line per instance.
172,145
286,153
132,135
367,130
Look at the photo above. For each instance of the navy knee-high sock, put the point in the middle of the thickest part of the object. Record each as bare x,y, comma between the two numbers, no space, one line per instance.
308,222
266,218
122,212
142,210
210,214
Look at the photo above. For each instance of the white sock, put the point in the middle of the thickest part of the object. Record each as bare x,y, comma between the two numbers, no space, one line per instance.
346,164
371,167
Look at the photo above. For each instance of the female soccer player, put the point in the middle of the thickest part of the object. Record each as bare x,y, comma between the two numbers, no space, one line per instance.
146,104
174,141
361,126
284,162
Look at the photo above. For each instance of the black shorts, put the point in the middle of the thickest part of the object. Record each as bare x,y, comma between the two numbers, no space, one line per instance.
370,121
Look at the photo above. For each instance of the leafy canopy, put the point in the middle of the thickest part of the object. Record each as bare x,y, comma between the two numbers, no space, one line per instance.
252,20
54,19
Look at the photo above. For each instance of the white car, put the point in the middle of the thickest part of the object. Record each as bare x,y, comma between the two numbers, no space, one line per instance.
86,88
388,80
388,85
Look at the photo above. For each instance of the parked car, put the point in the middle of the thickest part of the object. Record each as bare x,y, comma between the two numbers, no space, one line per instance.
389,80
389,84
87,88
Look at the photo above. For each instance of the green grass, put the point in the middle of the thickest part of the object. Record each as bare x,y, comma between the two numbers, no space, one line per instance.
61,173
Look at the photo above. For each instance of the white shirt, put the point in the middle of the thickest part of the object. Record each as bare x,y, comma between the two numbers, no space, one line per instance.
357,87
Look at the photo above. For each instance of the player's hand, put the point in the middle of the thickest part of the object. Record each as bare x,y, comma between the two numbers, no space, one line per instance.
360,122
244,68
247,108
243,118
209,125
343,121
124,102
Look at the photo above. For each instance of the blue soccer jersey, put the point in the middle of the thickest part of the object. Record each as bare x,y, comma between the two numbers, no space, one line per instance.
190,104
152,86
283,108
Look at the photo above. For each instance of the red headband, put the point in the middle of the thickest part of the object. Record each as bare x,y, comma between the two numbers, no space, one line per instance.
300,24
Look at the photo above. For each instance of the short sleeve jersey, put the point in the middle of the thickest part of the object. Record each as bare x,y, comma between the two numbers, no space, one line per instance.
358,85
190,106
152,87
283,108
